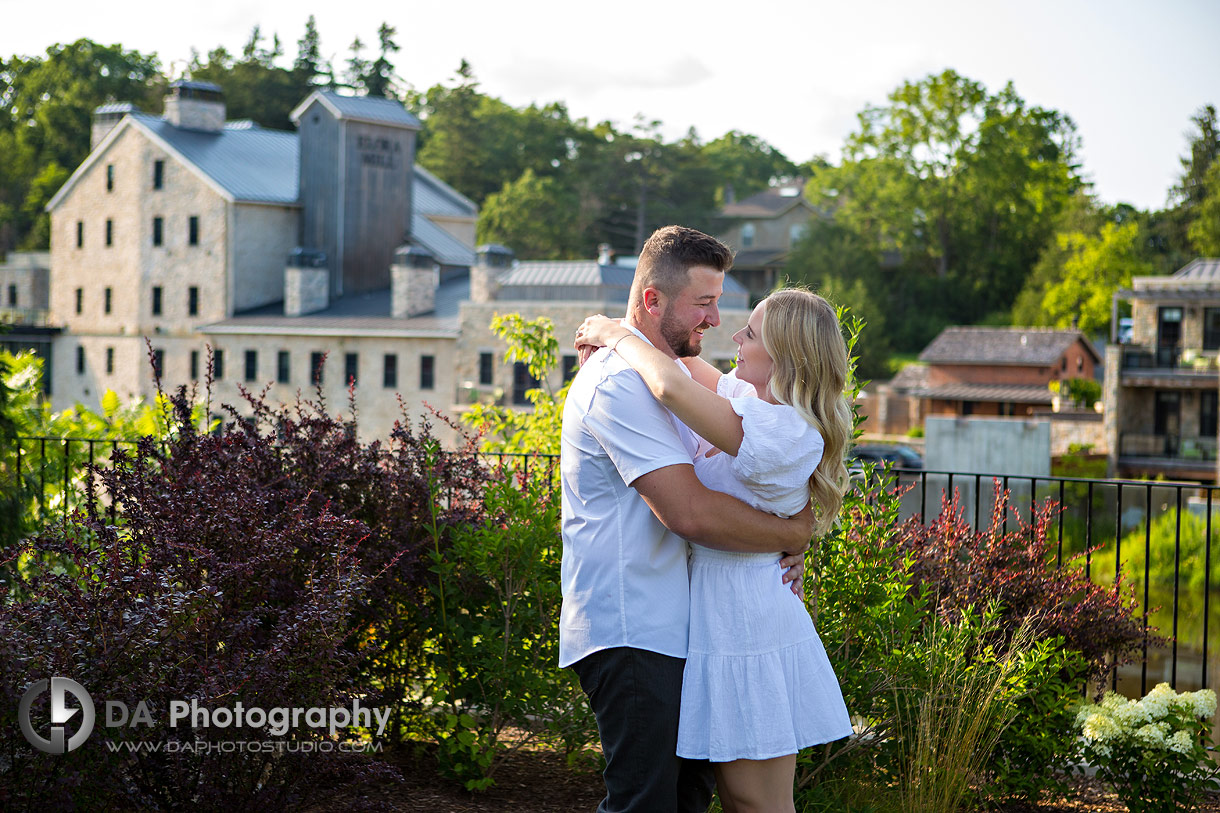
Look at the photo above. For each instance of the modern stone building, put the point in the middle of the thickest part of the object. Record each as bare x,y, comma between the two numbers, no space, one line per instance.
275,250
1162,388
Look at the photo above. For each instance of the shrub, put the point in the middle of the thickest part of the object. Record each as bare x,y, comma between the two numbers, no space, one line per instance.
1154,750
496,635
201,594
279,562
1017,568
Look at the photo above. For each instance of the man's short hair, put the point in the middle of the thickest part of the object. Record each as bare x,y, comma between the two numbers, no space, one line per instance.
669,255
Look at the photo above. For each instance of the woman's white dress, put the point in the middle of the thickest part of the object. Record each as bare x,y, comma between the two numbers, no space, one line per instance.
757,683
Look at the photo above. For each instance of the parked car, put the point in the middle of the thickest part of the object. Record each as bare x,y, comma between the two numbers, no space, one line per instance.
902,457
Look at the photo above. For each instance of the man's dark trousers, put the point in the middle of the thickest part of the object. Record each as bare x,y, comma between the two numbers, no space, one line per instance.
635,695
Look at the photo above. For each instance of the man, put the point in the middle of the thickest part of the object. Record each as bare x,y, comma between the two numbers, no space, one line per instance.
630,499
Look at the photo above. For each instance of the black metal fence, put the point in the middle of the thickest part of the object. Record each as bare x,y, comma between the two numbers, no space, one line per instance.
1156,535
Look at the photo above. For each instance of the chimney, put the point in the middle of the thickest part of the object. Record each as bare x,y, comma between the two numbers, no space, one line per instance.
306,282
605,254
414,277
491,261
106,118
195,106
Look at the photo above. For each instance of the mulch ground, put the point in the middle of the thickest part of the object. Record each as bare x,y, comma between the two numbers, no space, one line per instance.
541,782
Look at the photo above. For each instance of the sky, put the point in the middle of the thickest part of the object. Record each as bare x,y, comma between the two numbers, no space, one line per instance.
1130,73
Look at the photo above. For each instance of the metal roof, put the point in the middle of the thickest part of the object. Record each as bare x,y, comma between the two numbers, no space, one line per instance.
1203,268
355,315
1002,345
432,195
359,108
567,273
447,249
252,164
115,107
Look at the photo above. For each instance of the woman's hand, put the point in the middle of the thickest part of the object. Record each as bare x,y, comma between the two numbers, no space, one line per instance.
599,331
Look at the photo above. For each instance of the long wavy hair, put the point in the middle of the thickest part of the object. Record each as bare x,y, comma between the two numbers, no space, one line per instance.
809,368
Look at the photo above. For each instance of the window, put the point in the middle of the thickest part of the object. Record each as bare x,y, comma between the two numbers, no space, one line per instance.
251,365
281,366
80,234
427,372
747,235
192,301
110,177
109,232
194,365
158,362
106,300
12,296
1211,328
569,367
315,368
1166,419
80,299
522,383
485,369
351,367
192,237
156,303
80,359
158,174
218,364
1209,400
109,361
389,371
158,228
795,232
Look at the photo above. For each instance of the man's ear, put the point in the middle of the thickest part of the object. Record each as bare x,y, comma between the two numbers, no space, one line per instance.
653,301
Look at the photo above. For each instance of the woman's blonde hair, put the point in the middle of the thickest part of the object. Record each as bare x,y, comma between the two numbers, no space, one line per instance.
809,368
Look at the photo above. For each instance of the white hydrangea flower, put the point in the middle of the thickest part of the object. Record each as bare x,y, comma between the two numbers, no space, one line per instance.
1102,750
1100,727
1131,714
1203,703
1158,701
1152,735
1181,742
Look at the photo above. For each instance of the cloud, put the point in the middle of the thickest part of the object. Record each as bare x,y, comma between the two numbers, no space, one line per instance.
533,76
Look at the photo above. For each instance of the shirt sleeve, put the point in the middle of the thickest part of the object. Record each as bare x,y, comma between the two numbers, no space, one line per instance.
637,433
730,386
779,451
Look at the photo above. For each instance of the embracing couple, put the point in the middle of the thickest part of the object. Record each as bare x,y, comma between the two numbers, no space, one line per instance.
689,499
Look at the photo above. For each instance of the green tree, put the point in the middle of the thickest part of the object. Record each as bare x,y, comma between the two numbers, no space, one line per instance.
1204,232
310,66
1095,267
956,191
46,106
254,86
379,81
745,163
535,216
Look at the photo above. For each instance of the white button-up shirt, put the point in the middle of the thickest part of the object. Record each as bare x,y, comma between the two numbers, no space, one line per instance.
624,574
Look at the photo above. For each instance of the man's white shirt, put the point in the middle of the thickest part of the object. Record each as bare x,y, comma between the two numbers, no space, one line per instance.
624,574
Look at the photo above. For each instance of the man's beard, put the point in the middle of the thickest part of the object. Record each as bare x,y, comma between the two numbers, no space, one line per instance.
678,337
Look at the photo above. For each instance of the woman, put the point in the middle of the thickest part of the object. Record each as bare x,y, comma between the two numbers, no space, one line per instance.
758,686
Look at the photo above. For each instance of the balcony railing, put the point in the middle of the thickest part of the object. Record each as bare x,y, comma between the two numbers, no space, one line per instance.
1105,521
1167,447
31,317
1172,359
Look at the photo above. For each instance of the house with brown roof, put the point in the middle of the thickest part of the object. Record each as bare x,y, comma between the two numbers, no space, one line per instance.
1162,387
762,229
999,371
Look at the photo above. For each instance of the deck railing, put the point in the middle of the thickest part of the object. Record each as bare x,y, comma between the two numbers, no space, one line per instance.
1167,525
